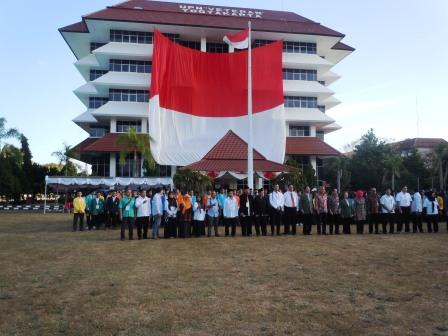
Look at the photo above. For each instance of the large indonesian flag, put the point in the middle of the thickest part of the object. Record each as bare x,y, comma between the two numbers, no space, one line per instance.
197,97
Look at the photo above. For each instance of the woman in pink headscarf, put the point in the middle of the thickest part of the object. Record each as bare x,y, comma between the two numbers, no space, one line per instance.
360,211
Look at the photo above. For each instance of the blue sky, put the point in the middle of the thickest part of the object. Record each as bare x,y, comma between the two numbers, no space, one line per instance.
401,54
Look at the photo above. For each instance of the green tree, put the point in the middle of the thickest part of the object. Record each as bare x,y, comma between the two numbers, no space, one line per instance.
337,173
439,160
189,179
393,164
28,178
7,133
415,172
135,143
63,155
295,177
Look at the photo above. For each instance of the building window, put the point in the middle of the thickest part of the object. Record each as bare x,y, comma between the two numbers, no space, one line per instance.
130,168
321,108
94,74
260,43
127,36
299,74
96,102
130,66
162,171
98,132
191,44
100,165
95,45
320,135
123,126
299,47
140,96
172,37
301,161
299,131
217,47
300,102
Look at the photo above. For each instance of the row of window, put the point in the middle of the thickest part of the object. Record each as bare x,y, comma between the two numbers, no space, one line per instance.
300,74
130,36
94,74
141,96
291,47
300,102
130,66
295,131
97,102
123,126
217,47
95,45
98,132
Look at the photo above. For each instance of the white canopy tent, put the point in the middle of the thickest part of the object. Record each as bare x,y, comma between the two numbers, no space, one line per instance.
71,183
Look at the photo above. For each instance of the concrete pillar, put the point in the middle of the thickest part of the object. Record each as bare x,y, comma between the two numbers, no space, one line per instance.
112,165
113,125
203,44
144,125
231,49
313,162
313,131
173,171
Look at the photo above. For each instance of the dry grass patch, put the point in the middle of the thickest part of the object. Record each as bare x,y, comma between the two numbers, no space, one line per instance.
54,281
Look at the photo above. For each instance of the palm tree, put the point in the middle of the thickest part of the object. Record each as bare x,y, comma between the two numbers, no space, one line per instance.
393,164
7,133
64,154
135,143
439,158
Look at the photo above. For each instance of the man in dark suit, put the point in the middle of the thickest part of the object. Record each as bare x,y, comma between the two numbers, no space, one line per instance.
261,212
307,209
246,212
112,210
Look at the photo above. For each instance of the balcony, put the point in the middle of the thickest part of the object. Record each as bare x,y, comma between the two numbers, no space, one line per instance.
125,80
307,116
306,61
306,88
119,50
122,109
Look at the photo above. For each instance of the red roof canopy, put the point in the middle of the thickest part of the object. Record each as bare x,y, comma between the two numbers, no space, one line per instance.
309,146
171,13
230,154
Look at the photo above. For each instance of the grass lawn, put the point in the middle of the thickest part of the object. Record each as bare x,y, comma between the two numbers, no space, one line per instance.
54,281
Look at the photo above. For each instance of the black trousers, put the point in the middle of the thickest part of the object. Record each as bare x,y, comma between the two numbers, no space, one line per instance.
333,221
80,217
276,221
142,224
360,226
404,218
129,223
88,219
198,228
322,223
346,225
260,223
417,225
230,223
170,228
373,220
307,223
387,218
433,223
290,220
246,226
112,220
96,221
184,229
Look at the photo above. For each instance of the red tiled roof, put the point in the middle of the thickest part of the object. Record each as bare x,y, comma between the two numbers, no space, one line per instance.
170,13
108,143
309,146
78,27
84,144
408,144
342,46
230,154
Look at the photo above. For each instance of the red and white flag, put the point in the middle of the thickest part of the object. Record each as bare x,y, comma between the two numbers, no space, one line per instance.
239,40
197,97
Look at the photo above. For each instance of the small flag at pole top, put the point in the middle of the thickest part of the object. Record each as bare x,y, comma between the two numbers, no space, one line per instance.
238,40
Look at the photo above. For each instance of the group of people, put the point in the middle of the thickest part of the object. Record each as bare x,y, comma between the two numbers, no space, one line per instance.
188,214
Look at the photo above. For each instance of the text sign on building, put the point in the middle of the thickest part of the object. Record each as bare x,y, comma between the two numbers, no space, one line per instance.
222,11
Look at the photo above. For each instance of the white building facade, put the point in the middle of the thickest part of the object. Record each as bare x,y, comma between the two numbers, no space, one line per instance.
113,49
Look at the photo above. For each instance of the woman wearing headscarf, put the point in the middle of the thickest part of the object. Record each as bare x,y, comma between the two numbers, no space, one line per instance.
185,207
431,208
171,210
360,211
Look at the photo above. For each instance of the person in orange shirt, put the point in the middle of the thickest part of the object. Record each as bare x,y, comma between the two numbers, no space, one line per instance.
185,206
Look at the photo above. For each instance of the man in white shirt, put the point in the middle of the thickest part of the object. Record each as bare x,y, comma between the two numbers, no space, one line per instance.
291,206
387,203
277,202
143,206
417,209
230,213
157,212
404,201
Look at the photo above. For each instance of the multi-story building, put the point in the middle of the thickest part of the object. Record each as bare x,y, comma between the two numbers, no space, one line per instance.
113,48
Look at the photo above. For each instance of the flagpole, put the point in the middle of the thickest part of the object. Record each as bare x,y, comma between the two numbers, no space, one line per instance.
250,155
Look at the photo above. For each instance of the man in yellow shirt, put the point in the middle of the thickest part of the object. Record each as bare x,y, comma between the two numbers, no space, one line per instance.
79,208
